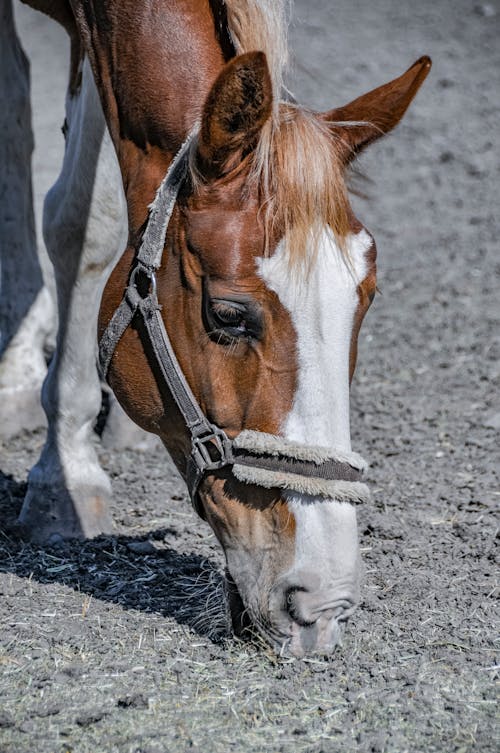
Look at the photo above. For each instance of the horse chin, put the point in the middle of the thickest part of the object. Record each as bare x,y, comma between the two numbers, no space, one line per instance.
320,638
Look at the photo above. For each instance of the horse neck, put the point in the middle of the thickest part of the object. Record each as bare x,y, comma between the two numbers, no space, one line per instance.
154,63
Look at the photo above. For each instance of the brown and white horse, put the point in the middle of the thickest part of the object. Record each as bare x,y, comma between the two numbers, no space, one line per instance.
265,278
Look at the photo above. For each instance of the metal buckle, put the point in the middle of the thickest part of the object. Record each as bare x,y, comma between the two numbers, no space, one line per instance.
149,274
216,440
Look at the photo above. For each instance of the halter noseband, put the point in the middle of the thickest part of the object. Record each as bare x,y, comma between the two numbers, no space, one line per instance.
255,457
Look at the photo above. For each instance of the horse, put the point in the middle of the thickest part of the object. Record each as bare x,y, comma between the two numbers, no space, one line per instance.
228,326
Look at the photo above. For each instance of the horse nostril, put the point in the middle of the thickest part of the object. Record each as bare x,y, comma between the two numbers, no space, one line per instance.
294,608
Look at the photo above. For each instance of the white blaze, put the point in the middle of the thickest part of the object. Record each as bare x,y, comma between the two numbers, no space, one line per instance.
322,308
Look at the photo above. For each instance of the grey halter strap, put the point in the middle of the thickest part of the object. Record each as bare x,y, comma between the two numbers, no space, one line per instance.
254,457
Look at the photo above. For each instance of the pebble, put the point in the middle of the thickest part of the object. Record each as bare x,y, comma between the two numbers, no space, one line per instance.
485,9
6,719
136,701
142,547
48,710
492,421
90,717
29,727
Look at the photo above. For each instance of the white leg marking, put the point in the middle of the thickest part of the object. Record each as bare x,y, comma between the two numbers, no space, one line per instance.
23,369
84,228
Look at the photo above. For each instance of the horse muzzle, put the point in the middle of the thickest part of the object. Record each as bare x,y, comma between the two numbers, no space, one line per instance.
310,618
300,620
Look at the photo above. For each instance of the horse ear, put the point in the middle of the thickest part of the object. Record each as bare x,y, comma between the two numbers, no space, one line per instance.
376,113
237,106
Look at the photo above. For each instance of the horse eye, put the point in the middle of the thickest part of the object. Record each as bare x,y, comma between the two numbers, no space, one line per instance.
227,320
228,314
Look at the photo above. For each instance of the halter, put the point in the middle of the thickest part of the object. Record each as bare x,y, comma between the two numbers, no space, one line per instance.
255,457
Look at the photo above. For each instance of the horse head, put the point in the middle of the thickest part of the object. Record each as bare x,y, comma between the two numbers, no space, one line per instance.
265,278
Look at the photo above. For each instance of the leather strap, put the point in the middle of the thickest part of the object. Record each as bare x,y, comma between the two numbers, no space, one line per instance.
326,469
149,255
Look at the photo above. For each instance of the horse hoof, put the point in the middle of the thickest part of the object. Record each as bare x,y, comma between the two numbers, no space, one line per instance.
50,515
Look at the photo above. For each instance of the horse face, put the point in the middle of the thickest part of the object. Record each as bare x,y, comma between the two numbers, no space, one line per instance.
267,348
274,352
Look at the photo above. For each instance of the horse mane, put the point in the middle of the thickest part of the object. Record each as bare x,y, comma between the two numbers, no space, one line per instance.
297,160
302,176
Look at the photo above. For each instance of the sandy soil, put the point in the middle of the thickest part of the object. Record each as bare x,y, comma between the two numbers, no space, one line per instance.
120,644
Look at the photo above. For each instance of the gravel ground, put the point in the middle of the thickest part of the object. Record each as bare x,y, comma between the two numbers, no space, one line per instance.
120,644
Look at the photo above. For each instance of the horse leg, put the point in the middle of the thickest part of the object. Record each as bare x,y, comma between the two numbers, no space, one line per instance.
84,228
26,309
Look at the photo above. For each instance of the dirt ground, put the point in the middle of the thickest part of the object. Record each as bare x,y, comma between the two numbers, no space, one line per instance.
120,645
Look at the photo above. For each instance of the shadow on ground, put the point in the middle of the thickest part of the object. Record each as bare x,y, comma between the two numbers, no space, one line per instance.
140,573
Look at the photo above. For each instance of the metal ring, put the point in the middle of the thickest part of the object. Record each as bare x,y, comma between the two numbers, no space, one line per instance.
151,276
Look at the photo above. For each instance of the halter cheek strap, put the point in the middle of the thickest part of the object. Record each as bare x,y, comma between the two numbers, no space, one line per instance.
149,255
254,457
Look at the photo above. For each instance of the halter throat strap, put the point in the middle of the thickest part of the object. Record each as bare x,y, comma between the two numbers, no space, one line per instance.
254,457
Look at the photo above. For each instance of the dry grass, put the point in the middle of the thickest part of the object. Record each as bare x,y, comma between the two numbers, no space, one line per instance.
121,644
